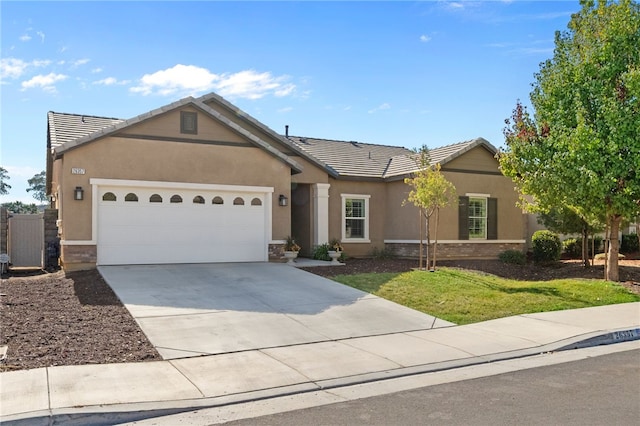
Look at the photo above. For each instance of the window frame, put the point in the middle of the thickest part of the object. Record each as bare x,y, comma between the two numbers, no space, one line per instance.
485,218
366,218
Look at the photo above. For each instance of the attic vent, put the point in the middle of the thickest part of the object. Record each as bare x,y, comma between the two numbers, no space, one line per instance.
354,143
189,122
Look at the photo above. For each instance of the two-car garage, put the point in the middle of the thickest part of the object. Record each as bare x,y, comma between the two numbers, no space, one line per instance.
139,222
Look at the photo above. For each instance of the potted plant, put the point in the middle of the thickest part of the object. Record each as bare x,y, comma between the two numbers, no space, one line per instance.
291,249
335,251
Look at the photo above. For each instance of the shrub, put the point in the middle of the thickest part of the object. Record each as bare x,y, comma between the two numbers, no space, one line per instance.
546,246
572,247
321,252
513,256
629,243
598,245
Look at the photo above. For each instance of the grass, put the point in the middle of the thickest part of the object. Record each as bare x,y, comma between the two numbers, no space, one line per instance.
465,297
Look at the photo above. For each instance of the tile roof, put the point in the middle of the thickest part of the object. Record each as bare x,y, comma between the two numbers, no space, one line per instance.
65,128
356,159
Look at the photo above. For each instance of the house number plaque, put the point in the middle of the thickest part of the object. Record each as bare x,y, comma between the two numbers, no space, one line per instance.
77,171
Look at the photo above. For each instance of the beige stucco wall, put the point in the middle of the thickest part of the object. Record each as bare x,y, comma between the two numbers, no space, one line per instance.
311,173
168,161
377,212
403,223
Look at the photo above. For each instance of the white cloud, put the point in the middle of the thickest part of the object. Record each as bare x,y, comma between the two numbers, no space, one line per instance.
22,172
111,81
381,107
25,37
191,80
425,38
285,109
41,35
12,67
77,63
96,70
46,82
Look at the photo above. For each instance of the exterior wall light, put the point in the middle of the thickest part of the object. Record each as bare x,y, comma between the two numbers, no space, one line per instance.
283,201
78,193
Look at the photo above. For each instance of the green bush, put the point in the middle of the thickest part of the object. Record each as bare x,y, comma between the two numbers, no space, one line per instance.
598,245
546,246
321,252
572,248
513,256
629,243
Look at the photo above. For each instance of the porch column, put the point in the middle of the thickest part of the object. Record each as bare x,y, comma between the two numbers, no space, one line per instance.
321,213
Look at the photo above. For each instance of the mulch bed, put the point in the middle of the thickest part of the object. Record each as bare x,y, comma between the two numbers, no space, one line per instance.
75,318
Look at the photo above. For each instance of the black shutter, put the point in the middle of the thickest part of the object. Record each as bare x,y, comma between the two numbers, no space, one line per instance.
492,219
463,218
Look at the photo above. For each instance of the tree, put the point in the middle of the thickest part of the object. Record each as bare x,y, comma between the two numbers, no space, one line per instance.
563,220
19,207
4,177
582,148
38,185
430,191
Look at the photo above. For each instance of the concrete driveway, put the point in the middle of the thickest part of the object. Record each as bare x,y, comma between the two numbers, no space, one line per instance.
205,309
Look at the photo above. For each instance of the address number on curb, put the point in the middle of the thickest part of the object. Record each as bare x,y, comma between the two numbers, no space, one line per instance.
626,334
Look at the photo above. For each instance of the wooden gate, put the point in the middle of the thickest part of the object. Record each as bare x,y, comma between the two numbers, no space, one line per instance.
26,240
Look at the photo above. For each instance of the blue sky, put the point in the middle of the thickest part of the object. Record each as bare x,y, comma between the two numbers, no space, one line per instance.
393,73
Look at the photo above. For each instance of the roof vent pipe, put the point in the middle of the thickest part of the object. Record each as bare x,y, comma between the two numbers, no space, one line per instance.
286,130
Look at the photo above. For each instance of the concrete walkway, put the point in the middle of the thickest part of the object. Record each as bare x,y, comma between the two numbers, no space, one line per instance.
91,394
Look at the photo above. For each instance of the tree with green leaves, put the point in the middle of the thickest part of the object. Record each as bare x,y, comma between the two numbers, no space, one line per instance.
18,207
581,149
38,185
430,191
4,177
563,220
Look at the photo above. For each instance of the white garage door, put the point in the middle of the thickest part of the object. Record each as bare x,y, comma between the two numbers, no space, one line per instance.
146,225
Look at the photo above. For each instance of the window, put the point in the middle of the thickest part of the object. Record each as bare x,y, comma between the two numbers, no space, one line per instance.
478,217
355,218
198,200
217,200
131,197
176,199
238,201
188,122
256,202
109,196
155,198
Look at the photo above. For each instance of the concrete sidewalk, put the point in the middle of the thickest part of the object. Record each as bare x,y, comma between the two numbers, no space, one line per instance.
91,394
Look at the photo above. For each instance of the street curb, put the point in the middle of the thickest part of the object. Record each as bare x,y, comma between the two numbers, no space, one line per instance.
97,415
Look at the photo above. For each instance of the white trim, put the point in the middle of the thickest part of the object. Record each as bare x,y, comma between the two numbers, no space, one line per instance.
458,241
180,185
277,242
343,230
78,242
475,195
321,213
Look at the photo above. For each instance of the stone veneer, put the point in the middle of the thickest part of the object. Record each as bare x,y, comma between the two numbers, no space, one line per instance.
455,250
78,257
276,252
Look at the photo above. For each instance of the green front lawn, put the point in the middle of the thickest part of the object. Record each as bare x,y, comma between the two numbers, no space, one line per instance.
464,297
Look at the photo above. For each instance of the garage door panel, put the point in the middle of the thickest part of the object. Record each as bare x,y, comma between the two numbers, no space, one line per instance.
143,232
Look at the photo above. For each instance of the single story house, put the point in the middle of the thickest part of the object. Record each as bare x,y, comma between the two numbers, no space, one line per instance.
199,180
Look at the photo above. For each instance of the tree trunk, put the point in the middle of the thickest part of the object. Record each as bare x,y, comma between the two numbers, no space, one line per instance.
435,239
611,268
585,246
420,246
428,242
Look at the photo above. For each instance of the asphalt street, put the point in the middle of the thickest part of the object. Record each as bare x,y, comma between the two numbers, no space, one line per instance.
594,391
